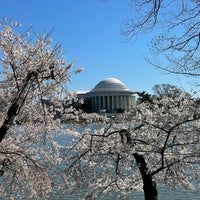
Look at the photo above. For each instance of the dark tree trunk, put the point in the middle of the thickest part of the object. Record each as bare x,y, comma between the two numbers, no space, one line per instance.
12,112
15,107
149,186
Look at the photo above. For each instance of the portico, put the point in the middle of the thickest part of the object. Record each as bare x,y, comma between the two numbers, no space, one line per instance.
110,95
112,102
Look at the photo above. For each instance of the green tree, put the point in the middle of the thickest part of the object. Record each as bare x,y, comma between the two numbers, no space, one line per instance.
144,97
86,106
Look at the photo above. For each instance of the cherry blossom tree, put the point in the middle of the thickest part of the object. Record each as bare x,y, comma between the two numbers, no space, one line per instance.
160,145
33,72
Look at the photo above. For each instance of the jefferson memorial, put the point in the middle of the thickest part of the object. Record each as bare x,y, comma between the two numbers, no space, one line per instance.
110,95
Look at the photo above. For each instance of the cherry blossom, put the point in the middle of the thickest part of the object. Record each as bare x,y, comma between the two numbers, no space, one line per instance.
32,84
158,145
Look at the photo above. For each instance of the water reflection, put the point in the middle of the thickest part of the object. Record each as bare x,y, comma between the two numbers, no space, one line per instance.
163,193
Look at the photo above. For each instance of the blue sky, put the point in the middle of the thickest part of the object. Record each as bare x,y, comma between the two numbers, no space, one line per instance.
89,31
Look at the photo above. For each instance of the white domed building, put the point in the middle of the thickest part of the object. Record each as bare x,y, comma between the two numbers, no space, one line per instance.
110,95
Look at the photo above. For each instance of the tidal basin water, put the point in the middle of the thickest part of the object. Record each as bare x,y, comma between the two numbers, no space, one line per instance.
163,192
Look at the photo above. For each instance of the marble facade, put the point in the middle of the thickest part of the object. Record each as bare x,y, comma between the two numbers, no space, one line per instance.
110,95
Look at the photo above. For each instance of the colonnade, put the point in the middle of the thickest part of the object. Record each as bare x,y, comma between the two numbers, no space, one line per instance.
111,103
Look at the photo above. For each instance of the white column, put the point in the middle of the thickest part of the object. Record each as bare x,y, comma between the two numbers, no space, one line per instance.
121,104
117,102
129,103
113,103
99,103
126,102
104,101
132,101
108,103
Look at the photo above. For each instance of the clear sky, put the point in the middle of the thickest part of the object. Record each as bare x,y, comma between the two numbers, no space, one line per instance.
89,31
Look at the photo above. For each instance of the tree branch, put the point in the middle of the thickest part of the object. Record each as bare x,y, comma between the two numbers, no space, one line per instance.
16,105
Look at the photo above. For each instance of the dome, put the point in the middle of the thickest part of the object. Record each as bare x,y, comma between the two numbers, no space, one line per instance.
110,84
